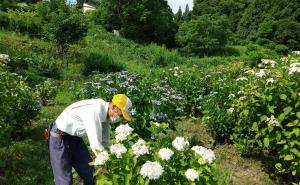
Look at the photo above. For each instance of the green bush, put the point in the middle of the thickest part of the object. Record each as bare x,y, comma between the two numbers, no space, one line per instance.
4,21
254,58
282,49
268,117
25,22
216,104
66,27
46,91
259,111
18,105
101,63
163,57
35,68
204,35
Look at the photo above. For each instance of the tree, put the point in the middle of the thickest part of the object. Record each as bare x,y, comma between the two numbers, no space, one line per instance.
143,21
178,16
66,27
288,33
203,35
185,15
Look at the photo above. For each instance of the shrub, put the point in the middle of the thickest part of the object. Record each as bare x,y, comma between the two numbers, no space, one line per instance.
163,57
101,63
204,35
66,27
46,91
172,161
260,112
254,58
35,67
4,21
25,22
282,49
18,105
267,111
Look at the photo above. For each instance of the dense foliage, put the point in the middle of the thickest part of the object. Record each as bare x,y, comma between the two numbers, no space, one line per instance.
204,35
277,21
18,104
259,111
142,21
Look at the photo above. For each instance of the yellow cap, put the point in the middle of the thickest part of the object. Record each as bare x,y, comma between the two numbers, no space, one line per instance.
124,104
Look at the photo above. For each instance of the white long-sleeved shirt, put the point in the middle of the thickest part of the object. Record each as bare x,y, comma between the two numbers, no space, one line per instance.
87,117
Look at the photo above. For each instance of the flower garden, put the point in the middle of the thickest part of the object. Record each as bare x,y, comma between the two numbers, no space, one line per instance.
257,109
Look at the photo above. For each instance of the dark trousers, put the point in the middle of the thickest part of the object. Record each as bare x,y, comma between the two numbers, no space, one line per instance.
67,152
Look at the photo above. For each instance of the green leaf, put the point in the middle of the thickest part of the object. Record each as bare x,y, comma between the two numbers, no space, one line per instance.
298,115
266,142
288,157
283,96
254,126
263,118
246,112
290,124
278,166
296,152
294,172
269,97
271,109
281,117
128,178
287,110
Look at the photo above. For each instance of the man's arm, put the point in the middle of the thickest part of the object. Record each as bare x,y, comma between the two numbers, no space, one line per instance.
105,134
93,129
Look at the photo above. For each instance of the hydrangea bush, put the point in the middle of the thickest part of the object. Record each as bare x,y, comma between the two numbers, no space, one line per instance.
158,99
18,105
260,112
135,161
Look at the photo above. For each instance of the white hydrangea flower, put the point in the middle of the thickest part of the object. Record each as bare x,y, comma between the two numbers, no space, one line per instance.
122,132
294,68
270,81
206,154
152,170
260,74
231,95
296,52
268,62
242,79
272,121
176,68
165,153
4,57
284,59
230,110
249,72
140,148
179,143
192,174
240,92
118,149
101,158
242,98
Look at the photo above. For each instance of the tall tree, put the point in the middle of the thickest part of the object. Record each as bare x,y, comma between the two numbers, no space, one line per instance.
178,16
185,15
143,21
204,35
